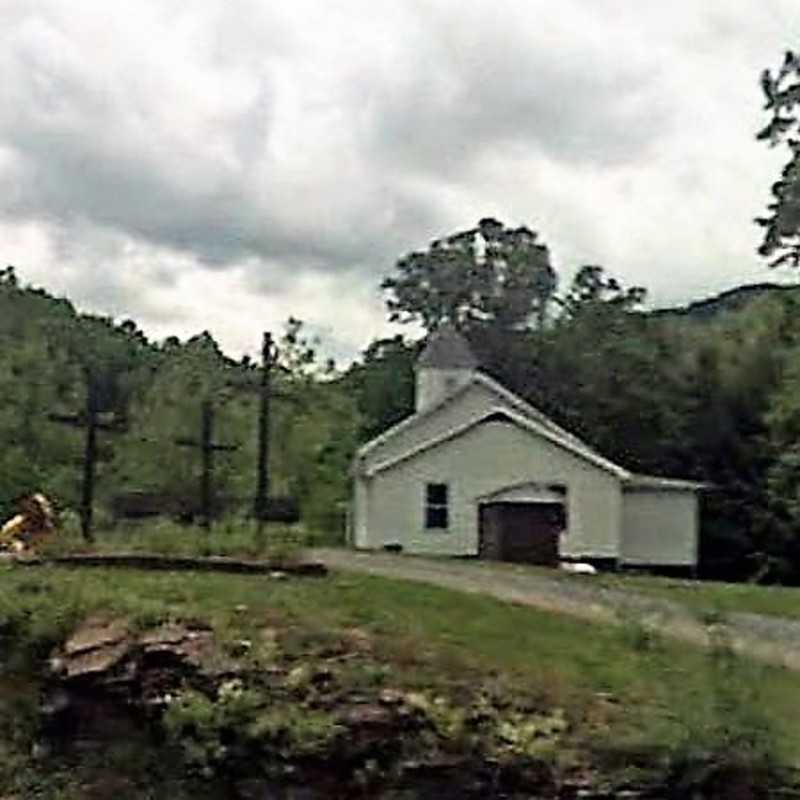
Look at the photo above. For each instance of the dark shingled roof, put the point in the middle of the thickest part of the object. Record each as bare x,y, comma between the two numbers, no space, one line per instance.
446,348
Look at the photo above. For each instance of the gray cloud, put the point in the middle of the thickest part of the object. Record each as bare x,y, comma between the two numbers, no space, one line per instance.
497,79
155,155
106,151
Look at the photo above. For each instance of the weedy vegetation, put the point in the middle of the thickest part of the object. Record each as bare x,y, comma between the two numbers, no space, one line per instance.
452,677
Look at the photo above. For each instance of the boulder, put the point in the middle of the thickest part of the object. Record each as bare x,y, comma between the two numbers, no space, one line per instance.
97,646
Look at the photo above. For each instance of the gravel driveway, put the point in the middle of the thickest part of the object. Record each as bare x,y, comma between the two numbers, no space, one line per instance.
775,640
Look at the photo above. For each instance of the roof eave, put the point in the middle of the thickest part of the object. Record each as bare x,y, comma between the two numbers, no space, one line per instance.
532,426
654,482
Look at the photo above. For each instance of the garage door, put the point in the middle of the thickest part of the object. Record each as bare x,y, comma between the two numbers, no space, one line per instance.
522,532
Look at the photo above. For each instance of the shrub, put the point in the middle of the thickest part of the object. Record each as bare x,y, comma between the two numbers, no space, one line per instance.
214,734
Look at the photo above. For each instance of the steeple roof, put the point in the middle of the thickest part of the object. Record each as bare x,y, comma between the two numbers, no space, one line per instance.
446,348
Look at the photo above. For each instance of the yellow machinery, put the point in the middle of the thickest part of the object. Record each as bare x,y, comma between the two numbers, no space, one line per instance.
36,521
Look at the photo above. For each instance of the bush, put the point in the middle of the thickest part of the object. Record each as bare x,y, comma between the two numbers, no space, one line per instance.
239,724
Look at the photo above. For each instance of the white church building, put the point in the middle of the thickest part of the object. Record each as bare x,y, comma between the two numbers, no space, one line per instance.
477,471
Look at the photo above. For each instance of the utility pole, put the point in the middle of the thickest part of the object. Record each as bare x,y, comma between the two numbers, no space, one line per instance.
90,421
207,448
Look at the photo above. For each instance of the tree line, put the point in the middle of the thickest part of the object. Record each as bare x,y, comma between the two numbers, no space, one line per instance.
712,397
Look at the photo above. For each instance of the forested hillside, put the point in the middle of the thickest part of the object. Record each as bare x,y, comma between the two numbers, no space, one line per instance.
714,397
49,354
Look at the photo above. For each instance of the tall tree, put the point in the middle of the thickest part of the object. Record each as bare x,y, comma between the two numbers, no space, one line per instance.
782,223
605,374
488,275
317,435
382,383
167,407
593,292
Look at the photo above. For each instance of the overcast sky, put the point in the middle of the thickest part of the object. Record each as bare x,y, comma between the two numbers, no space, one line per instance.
222,164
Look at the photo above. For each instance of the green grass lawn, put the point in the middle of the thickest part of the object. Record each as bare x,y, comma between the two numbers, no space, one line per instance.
702,597
651,691
240,539
235,538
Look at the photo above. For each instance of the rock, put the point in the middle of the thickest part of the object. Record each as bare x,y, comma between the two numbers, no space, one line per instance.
391,697
123,674
607,697
57,666
40,751
358,640
164,635
158,702
367,716
418,701
240,648
96,632
95,662
299,677
195,646
104,652
96,647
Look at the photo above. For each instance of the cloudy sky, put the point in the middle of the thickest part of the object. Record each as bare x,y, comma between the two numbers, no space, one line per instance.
221,164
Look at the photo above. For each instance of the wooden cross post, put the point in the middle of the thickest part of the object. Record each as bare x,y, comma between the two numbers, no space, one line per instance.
265,507
207,447
90,421
262,478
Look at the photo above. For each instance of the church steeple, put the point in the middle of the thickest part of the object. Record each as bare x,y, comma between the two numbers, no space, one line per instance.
445,364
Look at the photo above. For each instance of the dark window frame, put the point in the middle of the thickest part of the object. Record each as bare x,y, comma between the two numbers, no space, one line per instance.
437,506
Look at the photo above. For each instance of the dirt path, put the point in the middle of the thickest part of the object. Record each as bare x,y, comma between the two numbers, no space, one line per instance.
775,640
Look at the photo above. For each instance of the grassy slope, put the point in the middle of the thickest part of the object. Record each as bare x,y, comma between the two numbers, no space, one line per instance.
431,637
